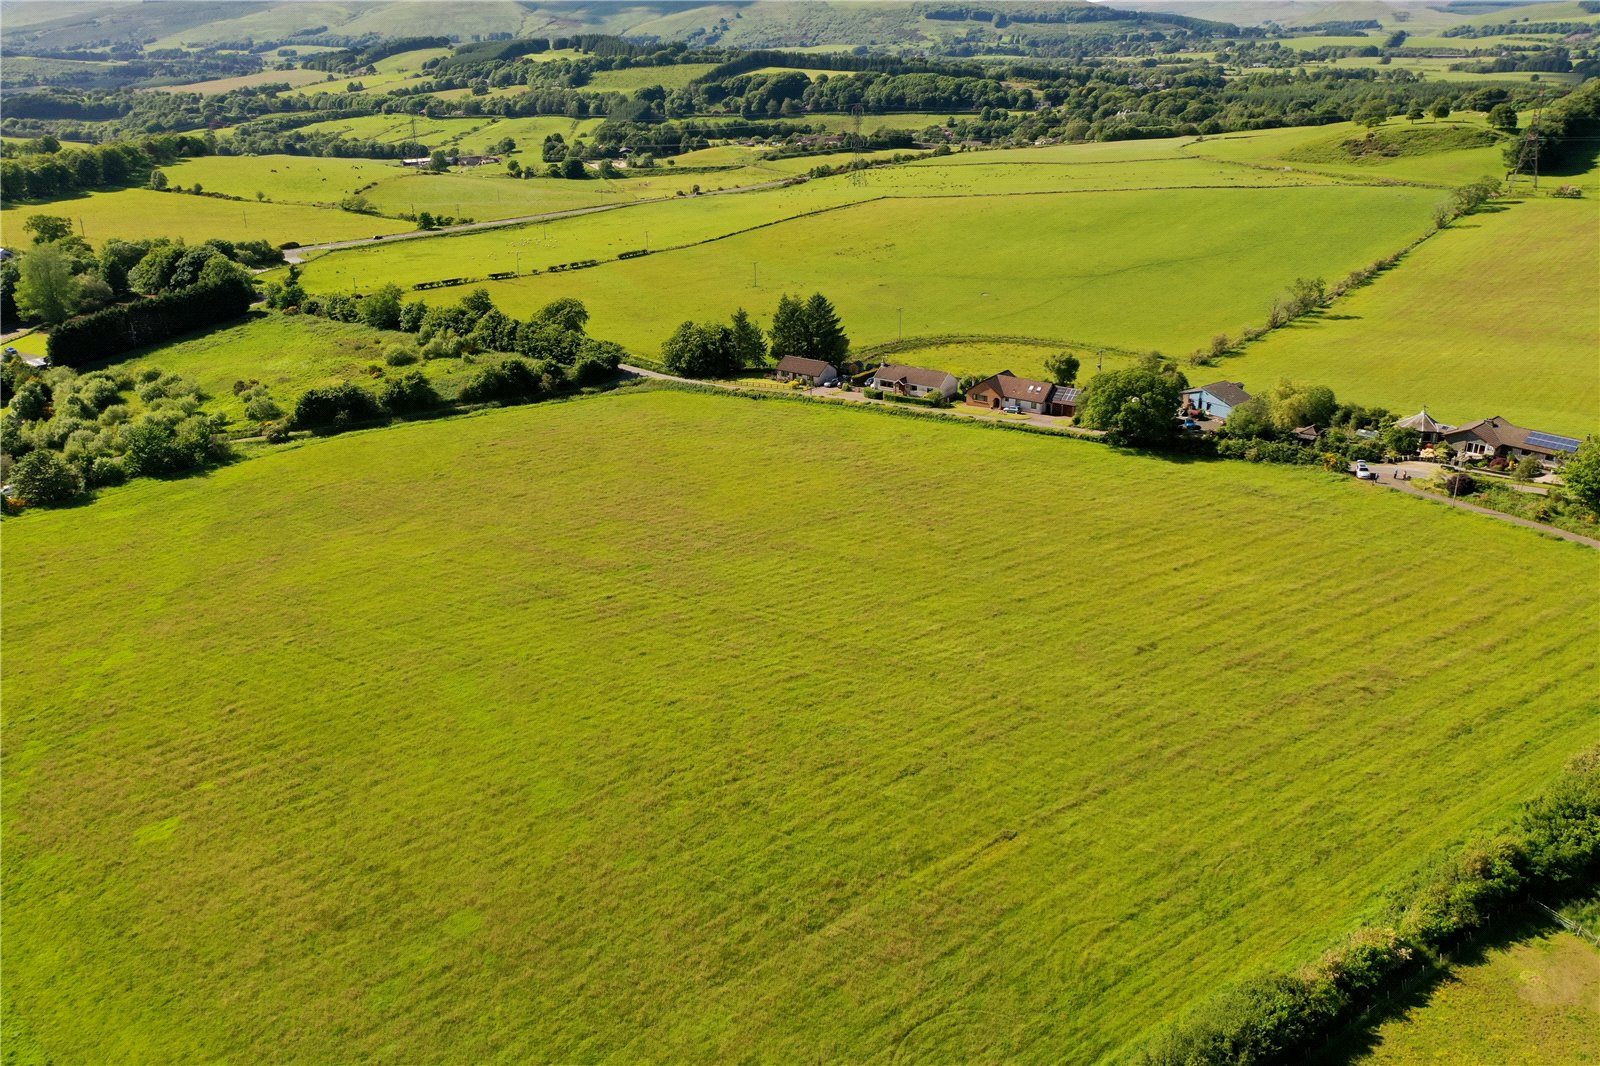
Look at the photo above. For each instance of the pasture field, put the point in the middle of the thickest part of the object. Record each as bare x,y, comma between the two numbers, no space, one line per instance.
142,213
1283,148
394,129
283,178
1465,324
287,353
1535,1002
688,220
391,71
631,79
612,700
1170,267
296,77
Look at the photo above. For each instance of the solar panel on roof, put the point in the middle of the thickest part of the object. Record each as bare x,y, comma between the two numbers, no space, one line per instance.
1553,442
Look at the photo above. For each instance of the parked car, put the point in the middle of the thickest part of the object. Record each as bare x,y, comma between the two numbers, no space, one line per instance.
1011,409
1366,473
10,350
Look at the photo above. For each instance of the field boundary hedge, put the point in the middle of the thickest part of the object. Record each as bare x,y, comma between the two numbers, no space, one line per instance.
1553,846
123,327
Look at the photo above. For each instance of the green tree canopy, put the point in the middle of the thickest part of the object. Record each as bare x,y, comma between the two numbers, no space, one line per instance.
47,228
1134,406
701,351
46,288
1581,473
1062,367
748,341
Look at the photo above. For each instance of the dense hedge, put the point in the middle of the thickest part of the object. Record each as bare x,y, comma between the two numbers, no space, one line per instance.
1552,847
123,327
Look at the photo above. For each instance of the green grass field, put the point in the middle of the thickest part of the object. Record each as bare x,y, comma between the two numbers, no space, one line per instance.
1217,258
141,213
1535,1002
1288,148
1468,324
536,734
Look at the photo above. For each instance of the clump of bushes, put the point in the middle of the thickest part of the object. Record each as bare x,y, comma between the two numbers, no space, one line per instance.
85,424
336,407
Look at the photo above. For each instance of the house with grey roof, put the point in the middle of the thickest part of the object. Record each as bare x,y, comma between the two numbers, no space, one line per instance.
1495,438
1216,400
914,381
799,368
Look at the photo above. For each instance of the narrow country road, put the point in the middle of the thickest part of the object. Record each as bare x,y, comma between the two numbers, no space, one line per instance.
1385,472
298,255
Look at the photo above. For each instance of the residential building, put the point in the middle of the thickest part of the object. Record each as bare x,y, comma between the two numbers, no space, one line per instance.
1005,389
799,368
1216,400
1425,424
1495,438
914,381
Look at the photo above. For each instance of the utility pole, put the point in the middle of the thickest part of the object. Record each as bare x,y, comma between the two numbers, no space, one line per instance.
755,281
902,331
1100,361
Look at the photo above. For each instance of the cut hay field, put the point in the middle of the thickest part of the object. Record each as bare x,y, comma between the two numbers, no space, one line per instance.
1535,1002
1169,268
296,77
142,213
1495,316
283,178
615,753
674,76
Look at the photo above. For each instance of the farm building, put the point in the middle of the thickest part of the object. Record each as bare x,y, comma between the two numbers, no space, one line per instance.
1495,438
1425,424
799,368
914,381
1216,400
1064,400
1005,389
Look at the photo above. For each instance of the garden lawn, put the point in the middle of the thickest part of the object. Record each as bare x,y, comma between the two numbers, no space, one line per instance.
142,214
1535,1002
1494,316
674,727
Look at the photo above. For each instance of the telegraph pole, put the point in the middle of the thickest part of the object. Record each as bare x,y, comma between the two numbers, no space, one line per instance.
902,330
755,282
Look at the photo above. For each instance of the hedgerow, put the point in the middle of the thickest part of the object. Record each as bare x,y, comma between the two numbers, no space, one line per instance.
1552,846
